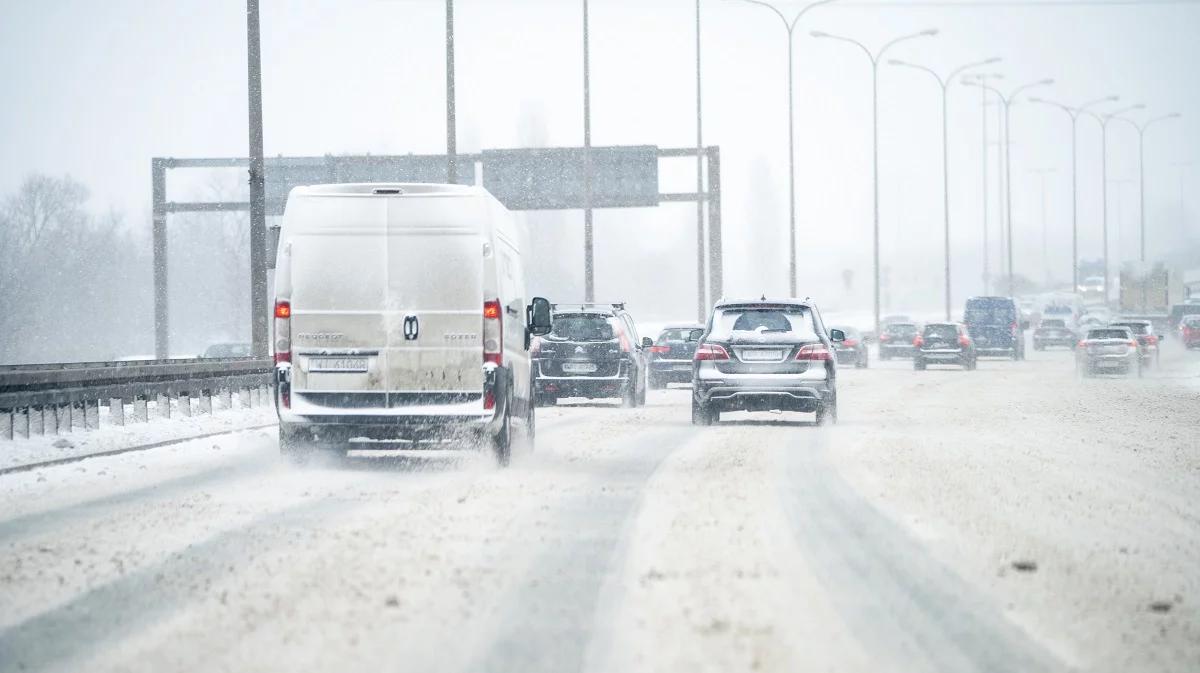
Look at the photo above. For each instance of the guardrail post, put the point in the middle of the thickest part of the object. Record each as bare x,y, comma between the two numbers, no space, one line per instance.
185,404
116,411
225,398
205,402
91,414
244,398
62,414
36,425
77,416
141,412
264,395
50,419
21,422
163,406
6,423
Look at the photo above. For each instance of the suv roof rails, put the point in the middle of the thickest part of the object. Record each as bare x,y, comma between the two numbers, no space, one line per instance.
618,305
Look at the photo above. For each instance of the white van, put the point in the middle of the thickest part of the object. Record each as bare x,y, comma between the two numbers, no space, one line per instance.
400,316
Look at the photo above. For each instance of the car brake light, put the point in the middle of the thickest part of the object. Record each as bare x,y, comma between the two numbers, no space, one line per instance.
493,333
884,337
964,340
850,343
1133,343
1152,340
919,341
1082,344
660,349
813,352
710,352
625,348
1012,327
283,331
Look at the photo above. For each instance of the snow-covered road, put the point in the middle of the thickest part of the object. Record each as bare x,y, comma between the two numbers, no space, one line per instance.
1008,519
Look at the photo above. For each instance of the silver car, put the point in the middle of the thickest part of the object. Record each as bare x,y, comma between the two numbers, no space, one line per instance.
765,355
1108,350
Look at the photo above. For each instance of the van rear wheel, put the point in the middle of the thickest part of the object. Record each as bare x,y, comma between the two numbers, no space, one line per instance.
299,448
502,441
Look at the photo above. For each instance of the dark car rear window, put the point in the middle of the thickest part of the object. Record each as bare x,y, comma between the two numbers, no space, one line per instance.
901,330
582,327
941,331
1136,328
1108,334
1054,323
675,334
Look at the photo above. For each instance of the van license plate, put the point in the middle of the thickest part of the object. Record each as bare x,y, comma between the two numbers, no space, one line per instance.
326,364
579,367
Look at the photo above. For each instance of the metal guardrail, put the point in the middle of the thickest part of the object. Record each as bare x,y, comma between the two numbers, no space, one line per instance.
55,398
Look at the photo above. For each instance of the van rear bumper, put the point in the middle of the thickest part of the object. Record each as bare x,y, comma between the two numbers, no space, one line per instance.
336,429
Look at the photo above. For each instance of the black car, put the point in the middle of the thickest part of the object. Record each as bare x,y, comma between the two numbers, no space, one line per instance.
995,325
1053,332
896,341
670,358
852,351
592,351
944,343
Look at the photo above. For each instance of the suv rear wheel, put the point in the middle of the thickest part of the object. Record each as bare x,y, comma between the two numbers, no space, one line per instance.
702,414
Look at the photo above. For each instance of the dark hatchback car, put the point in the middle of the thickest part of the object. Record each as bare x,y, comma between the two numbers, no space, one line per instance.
852,351
995,326
765,355
670,358
896,341
592,351
1053,332
944,344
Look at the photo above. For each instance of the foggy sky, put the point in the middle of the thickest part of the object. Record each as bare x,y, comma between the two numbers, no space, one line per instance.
95,89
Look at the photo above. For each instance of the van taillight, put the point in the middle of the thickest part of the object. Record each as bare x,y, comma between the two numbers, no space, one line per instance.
493,332
1012,327
918,341
283,331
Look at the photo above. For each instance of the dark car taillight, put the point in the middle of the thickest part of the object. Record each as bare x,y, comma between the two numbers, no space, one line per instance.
813,352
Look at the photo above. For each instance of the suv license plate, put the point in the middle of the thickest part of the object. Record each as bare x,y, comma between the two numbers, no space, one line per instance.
579,367
327,364
762,356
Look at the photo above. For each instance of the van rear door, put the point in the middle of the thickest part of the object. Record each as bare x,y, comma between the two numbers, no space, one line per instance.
387,295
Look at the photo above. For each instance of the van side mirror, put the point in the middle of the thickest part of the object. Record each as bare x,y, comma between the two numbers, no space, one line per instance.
837,335
537,319
694,335
647,342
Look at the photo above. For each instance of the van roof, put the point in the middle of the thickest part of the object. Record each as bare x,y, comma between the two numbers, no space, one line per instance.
385,189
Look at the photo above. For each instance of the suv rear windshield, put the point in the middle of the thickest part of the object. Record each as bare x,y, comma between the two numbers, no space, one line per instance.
1108,334
941,331
1053,323
901,329
583,327
740,321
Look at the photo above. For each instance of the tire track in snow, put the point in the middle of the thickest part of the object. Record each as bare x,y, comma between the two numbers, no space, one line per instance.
910,612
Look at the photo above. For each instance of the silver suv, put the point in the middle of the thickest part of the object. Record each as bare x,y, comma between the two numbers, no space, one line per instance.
765,355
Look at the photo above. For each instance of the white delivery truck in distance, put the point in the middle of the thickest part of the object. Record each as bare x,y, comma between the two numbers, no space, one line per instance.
401,316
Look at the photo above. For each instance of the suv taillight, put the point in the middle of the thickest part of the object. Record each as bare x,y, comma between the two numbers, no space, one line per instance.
710,352
813,352
493,332
964,340
919,341
283,331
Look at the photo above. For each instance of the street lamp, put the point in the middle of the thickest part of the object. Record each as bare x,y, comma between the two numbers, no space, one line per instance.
790,26
1142,173
1007,102
1073,113
944,83
874,58
1104,120
987,272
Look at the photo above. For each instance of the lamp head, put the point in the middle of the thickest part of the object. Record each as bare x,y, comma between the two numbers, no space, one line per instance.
818,33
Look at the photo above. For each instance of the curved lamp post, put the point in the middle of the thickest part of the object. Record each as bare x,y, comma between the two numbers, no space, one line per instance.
1141,129
790,26
874,57
944,83
1007,102
1074,113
